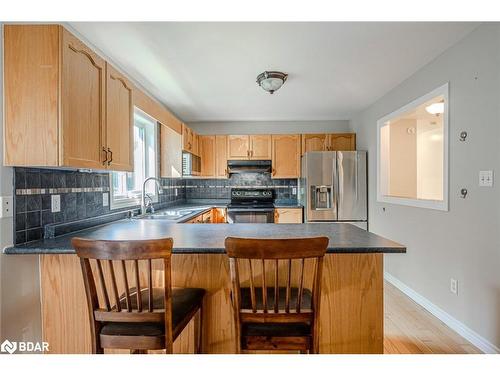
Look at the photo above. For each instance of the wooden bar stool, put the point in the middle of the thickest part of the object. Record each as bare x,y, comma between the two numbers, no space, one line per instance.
275,311
120,316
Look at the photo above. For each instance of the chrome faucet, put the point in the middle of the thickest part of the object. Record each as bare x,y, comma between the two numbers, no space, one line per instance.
143,195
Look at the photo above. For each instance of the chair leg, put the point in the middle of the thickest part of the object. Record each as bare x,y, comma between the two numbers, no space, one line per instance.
138,351
198,329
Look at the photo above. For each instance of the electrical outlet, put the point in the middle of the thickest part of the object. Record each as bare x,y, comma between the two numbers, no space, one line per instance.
454,286
294,191
55,203
105,199
486,178
175,191
7,207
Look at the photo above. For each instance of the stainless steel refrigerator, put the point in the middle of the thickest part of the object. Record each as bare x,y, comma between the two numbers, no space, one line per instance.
333,187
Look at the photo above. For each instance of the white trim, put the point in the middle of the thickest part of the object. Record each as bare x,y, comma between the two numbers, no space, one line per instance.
474,338
422,203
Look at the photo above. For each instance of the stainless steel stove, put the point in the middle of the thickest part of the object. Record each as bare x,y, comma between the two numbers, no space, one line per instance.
251,206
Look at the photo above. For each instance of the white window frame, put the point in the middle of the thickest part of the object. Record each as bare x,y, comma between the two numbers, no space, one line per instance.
442,205
136,201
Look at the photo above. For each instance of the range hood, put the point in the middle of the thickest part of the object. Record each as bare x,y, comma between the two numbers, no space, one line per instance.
249,166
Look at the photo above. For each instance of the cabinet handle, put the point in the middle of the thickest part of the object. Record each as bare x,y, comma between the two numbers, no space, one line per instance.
105,156
110,156
274,171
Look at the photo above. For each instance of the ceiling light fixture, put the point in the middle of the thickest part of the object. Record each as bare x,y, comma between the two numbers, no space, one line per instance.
271,81
435,108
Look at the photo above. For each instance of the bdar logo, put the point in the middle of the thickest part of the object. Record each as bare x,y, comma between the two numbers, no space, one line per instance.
8,347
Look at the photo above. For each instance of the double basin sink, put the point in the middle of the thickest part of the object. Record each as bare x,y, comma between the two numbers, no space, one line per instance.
174,214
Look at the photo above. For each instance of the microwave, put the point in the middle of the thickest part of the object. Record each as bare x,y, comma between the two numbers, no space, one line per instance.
191,164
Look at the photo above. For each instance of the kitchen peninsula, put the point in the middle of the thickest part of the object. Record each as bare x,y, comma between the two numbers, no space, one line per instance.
352,294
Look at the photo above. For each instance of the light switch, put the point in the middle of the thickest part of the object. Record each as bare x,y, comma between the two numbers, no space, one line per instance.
105,199
486,178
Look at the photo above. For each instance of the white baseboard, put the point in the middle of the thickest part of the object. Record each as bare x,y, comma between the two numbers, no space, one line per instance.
477,340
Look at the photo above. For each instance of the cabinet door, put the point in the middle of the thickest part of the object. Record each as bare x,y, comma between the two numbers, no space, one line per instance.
286,156
187,138
314,142
207,154
119,121
260,147
221,156
170,152
238,147
196,144
83,129
288,215
342,142
31,94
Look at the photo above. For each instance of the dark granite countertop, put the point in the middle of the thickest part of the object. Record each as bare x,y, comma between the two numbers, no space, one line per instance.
209,238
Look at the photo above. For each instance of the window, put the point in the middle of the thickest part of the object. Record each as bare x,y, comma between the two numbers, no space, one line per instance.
126,187
412,148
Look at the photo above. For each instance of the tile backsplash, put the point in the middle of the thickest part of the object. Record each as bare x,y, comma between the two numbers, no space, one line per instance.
81,197
285,189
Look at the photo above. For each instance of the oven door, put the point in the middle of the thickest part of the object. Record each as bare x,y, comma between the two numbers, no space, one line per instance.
249,215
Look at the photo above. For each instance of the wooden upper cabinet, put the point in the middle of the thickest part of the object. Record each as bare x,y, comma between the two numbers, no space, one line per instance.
208,155
189,141
31,95
249,147
329,142
63,107
238,146
286,156
196,144
119,121
260,147
170,152
220,156
314,142
186,138
342,142
83,101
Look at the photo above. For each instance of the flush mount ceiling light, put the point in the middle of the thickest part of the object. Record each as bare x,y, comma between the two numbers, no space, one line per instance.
435,108
271,81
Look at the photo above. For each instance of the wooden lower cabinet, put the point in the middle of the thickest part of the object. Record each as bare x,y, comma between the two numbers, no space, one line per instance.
219,215
288,215
351,303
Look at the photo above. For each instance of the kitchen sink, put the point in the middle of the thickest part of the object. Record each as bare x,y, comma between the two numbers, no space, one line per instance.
167,214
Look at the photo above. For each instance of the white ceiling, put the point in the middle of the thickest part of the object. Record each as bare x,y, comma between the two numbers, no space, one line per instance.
207,71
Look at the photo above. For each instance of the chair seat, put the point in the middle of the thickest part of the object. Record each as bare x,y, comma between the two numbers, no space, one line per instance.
246,301
276,329
185,303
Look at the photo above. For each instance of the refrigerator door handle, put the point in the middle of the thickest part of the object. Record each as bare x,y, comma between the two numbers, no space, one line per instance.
338,181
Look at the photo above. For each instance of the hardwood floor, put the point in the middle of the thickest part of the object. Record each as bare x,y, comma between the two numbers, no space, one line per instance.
410,329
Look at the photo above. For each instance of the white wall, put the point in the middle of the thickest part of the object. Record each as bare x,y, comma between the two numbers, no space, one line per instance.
463,243
267,127
20,312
